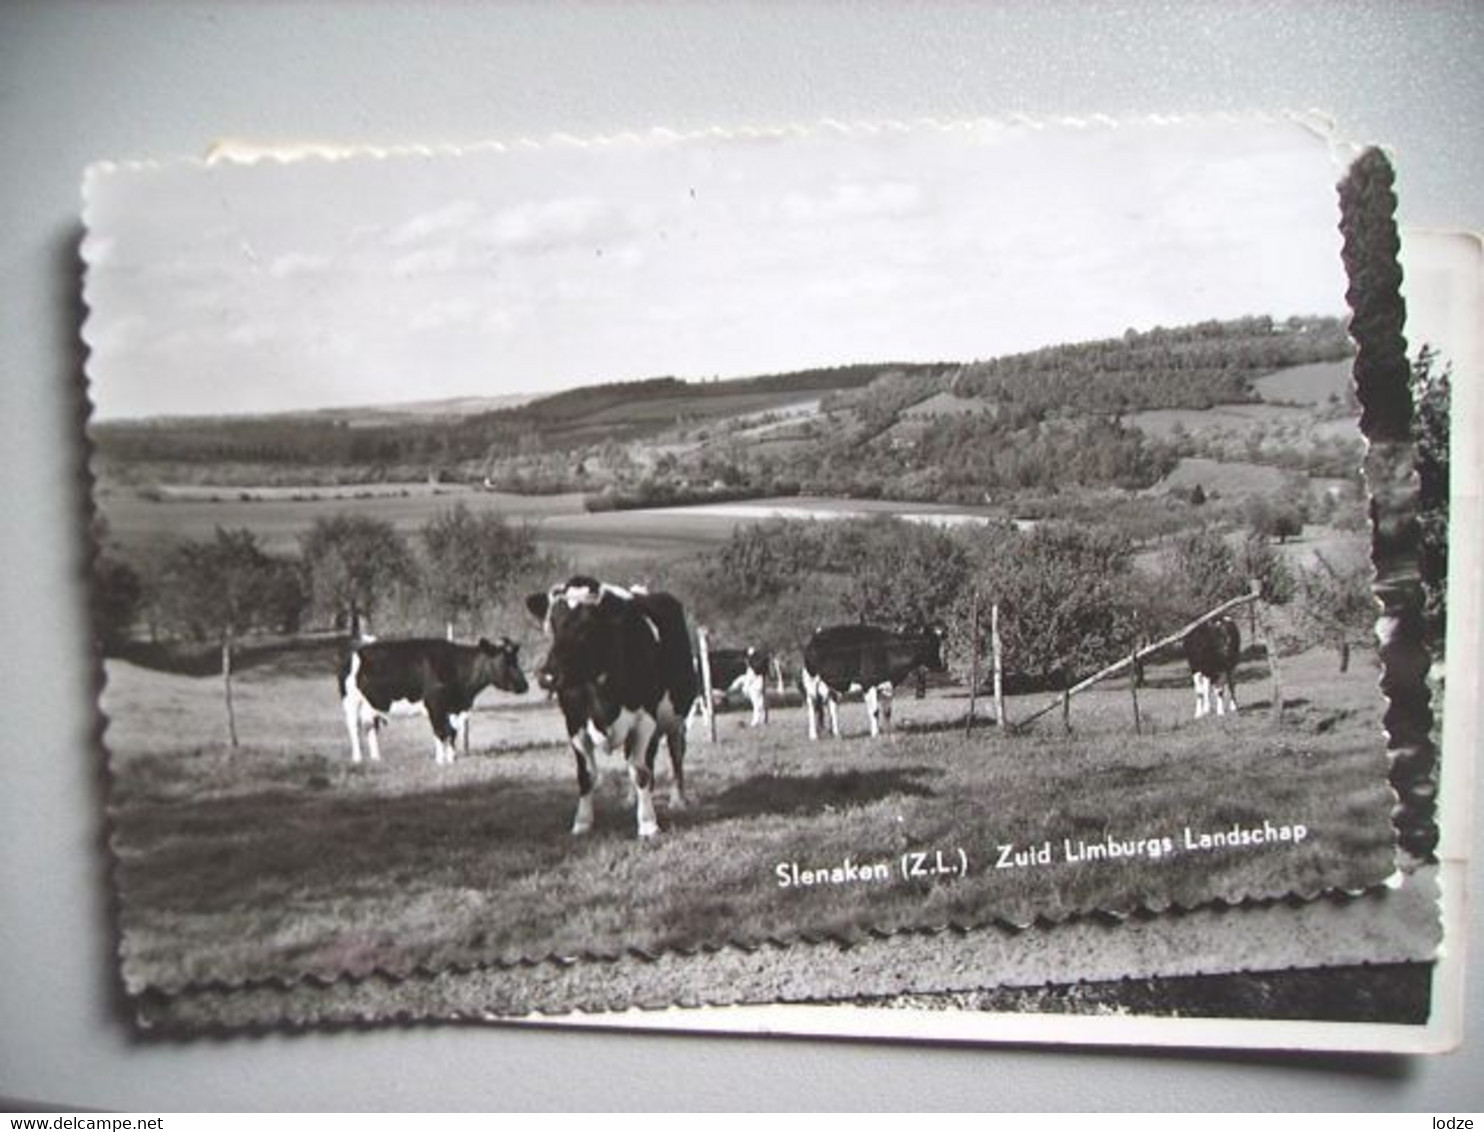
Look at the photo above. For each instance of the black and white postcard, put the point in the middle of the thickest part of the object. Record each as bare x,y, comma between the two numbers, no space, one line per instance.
941,574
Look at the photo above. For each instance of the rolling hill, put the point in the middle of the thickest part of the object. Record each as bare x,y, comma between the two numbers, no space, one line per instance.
1114,413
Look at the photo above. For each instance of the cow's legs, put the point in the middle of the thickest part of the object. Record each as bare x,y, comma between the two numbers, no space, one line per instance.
587,774
878,707
755,687
1225,691
675,739
697,711
351,705
812,705
460,723
639,747
361,716
444,730
1202,694
834,706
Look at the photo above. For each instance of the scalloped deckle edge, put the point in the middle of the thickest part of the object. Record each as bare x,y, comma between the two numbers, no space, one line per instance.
1418,895
1381,928
1410,787
1318,949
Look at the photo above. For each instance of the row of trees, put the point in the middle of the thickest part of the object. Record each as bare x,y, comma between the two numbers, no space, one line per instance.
1191,367
1071,597
350,569
564,421
1432,400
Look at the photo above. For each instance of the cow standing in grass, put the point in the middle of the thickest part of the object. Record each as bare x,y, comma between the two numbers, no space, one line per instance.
738,670
622,668
378,678
1212,650
863,658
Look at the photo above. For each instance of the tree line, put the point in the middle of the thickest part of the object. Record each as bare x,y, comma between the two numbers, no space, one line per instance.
1192,367
352,574
1071,596
563,421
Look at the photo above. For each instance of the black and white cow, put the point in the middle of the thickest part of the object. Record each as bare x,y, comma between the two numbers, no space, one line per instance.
739,670
381,677
1213,649
864,658
623,671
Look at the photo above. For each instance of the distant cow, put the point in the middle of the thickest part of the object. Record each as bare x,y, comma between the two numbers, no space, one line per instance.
380,677
739,670
622,668
864,658
1213,649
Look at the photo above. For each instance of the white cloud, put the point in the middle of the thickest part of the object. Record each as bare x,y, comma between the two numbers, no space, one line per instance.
854,200
250,334
429,260
556,222
296,263
441,314
459,214
854,283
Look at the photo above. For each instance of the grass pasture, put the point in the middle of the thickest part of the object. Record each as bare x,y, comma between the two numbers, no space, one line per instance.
1228,478
562,524
278,518
282,859
1312,384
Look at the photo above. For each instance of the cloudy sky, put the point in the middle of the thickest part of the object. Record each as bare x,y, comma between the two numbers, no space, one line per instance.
257,287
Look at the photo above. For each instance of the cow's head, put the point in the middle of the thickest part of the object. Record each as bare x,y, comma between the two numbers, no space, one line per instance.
500,661
585,644
575,591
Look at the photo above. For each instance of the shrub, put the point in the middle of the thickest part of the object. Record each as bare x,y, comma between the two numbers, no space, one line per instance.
1065,597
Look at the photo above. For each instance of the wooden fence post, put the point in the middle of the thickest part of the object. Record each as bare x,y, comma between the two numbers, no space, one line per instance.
973,660
996,659
1133,688
707,704
227,682
1119,665
1265,635
1066,711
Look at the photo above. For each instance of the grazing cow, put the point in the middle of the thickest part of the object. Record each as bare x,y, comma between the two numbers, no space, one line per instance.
739,670
622,668
1212,650
379,677
849,658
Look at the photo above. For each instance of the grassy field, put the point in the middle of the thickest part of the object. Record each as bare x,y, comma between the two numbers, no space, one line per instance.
1312,384
563,525
1230,420
279,518
282,859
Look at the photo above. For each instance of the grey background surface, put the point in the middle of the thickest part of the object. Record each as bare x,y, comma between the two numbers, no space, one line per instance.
81,82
